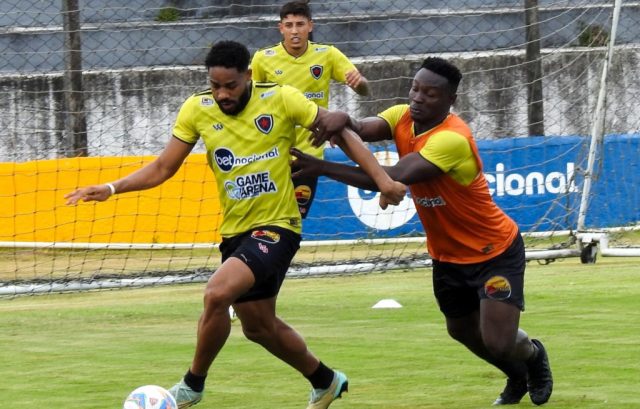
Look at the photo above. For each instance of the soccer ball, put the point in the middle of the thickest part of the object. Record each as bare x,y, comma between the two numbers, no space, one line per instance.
150,397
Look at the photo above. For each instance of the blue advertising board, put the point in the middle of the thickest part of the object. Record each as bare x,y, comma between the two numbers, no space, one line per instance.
537,181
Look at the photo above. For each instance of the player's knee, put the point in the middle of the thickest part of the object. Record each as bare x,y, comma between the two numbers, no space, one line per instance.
257,333
499,347
216,299
456,333
463,334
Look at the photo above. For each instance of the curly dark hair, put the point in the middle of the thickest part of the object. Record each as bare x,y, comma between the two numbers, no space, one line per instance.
444,68
228,54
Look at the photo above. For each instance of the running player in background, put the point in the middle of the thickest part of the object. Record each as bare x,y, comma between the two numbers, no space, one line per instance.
248,129
477,250
309,67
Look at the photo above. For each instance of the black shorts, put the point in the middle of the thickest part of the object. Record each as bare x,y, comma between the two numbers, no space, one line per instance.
268,251
460,287
305,188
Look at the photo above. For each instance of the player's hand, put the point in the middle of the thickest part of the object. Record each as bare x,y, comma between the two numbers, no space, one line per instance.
98,193
353,79
327,126
392,194
304,164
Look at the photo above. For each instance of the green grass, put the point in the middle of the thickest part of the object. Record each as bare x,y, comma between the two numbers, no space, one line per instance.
89,350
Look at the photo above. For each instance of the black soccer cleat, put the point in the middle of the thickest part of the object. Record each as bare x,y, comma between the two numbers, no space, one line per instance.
540,381
512,393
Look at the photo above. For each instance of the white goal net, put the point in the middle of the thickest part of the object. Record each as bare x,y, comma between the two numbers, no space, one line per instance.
89,92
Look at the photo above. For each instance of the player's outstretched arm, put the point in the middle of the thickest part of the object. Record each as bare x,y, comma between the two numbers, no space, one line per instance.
151,175
329,124
392,191
308,165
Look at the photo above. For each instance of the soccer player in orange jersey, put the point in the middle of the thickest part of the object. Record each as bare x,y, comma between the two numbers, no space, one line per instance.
477,250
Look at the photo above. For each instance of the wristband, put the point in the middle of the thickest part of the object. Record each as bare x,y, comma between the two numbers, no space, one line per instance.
112,188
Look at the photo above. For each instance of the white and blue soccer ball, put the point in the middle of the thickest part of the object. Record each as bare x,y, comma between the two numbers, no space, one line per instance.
150,397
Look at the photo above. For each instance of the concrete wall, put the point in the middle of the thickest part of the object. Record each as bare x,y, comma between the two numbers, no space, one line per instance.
131,112
38,13
122,34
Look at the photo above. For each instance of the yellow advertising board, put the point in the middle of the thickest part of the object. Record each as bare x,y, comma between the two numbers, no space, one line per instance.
185,209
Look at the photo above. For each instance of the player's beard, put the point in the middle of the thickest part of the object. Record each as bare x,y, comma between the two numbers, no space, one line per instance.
239,106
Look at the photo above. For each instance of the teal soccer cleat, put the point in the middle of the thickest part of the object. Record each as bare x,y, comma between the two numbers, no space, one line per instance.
322,398
185,396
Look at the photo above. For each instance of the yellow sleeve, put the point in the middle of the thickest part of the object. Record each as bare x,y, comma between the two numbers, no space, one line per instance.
452,153
341,65
392,115
183,128
298,107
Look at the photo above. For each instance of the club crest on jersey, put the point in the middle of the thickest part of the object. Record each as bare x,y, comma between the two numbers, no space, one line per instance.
264,123
316,71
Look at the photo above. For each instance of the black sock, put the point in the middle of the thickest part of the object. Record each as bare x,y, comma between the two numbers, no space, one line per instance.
321,378
195,382
533,356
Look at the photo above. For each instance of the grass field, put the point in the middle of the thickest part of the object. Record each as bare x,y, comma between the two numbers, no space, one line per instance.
89,350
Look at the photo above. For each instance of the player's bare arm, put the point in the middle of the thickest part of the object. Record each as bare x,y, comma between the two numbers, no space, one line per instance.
392,191
327,125
308,165
151,175
371,129
411,169
357,82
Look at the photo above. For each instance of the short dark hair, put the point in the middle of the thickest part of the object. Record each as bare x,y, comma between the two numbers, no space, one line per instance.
444,68
297,8
228,54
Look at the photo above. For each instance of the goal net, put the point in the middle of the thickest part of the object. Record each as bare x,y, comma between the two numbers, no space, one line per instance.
90,94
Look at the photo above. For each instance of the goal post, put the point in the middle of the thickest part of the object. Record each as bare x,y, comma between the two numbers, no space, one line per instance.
570,196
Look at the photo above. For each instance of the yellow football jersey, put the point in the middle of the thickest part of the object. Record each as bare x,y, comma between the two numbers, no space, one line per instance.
311,73
249,153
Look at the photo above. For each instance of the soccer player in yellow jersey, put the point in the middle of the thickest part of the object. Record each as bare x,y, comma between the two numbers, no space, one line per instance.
247,128
477,251
309,67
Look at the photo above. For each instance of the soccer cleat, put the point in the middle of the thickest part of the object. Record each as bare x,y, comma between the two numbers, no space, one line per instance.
512,393
322,398
540,383
185,396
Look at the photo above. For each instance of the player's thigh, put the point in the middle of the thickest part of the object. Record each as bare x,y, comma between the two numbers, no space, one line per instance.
499,322
258,315
455,292
267,251
502,277
232,279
